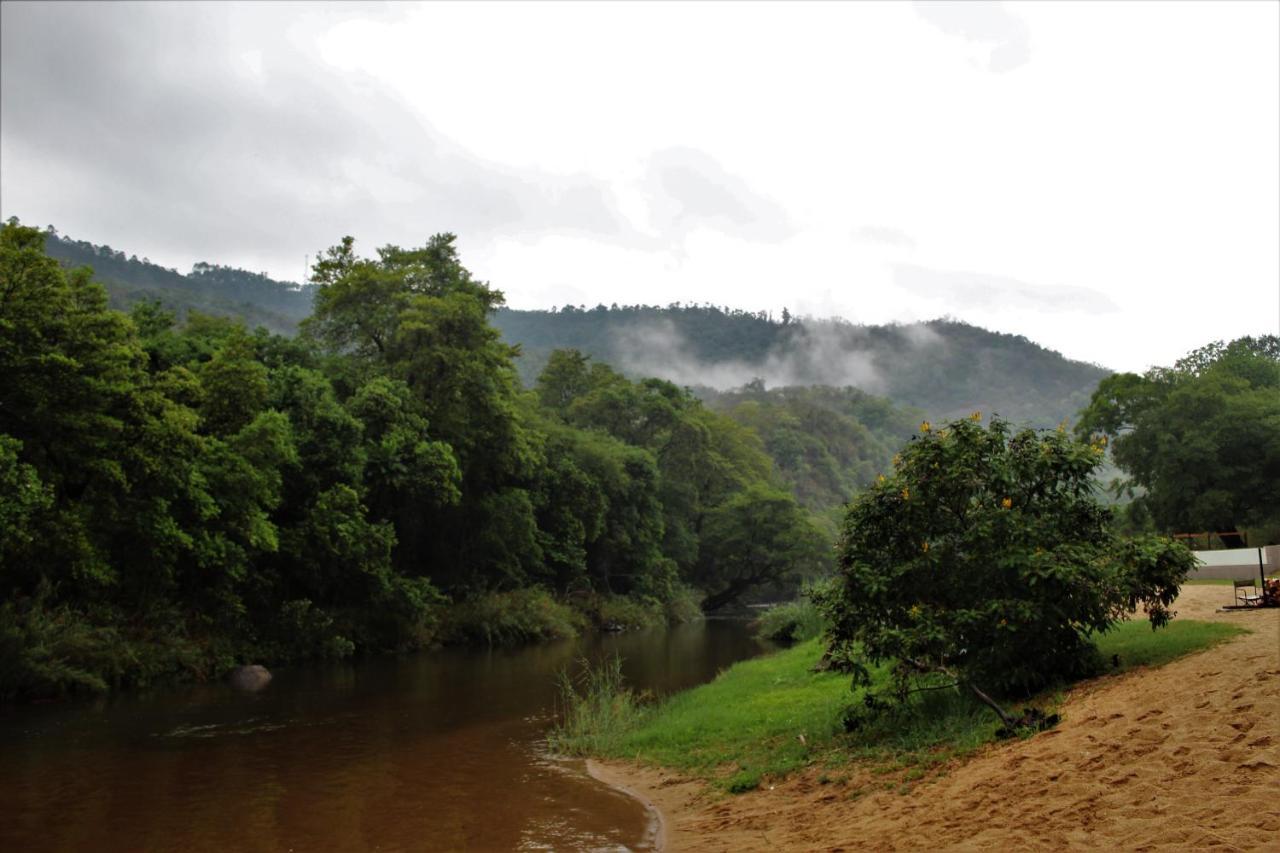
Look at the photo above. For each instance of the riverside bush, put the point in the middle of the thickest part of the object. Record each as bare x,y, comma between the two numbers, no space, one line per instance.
984,561
791,622
508,618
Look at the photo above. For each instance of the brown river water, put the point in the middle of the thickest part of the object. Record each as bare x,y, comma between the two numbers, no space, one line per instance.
437,751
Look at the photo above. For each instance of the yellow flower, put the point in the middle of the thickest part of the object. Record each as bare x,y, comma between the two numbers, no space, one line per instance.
924,546
897,459
880,478
906,494
1007,503
1004,622
924,427
1102,440
976,416
915,610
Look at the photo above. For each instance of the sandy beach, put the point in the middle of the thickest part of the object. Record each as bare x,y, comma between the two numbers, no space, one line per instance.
1185,756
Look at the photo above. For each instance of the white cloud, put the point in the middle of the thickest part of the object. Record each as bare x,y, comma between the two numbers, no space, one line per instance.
1002,35
756,155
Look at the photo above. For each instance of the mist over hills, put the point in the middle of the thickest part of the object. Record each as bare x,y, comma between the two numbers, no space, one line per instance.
944,368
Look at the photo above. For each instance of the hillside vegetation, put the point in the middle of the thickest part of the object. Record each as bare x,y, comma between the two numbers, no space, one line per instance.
219,291
943,367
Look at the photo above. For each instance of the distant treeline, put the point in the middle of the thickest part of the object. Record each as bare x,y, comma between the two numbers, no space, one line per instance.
943,367
209,288
181,497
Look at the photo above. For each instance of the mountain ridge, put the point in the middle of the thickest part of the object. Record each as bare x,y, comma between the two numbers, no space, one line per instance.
944,367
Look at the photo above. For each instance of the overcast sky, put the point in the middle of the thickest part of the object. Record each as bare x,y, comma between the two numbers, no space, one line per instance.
1103,178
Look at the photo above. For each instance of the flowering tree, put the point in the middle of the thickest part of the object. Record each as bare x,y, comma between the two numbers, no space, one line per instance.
985,562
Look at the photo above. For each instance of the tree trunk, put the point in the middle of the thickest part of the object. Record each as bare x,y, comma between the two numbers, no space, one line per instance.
727,595
992,704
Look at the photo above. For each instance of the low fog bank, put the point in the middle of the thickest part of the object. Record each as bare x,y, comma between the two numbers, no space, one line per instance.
811,352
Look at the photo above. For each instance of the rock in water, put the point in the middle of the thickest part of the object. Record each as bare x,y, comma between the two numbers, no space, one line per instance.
251,678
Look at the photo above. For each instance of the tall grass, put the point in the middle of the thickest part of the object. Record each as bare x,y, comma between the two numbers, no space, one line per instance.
595,708
792,622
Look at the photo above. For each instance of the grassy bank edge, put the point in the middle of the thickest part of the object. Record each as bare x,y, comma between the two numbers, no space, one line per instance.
768,717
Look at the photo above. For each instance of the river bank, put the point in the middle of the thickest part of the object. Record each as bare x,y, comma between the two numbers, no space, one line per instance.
1168,758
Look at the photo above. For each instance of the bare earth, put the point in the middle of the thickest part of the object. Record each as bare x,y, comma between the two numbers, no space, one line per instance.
1185,756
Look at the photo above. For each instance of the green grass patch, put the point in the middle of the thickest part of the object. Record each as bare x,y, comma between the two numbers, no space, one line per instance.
770,716
1135,644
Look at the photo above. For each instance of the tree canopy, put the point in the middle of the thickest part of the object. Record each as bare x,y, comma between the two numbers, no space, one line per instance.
178,497
984,561
1200,439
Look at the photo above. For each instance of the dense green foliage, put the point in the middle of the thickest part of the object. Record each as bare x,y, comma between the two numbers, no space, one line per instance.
178,498
1201,439
944,367
767,717
827,443
985,560
704,507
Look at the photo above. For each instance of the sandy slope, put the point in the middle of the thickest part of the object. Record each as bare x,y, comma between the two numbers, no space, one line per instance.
1186,756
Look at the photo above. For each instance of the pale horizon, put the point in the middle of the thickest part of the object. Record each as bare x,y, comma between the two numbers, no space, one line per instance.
1103,180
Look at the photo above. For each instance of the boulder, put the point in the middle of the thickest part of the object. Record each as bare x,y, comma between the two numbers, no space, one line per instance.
251,678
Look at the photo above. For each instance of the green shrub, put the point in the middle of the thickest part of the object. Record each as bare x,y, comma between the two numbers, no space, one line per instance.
49,650
986,561
304,631
634,612
623,612
684,605
793,621
508,618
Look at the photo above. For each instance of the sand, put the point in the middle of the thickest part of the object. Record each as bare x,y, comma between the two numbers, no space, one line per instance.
1184,756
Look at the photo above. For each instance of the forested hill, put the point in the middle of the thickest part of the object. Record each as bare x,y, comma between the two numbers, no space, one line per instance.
944,367
208,288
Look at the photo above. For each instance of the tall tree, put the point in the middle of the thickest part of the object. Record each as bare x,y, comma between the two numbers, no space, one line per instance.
1201,439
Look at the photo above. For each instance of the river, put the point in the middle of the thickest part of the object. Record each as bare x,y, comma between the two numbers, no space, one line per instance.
435,751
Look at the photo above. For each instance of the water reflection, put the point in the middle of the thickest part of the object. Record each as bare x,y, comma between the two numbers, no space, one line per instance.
430,752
